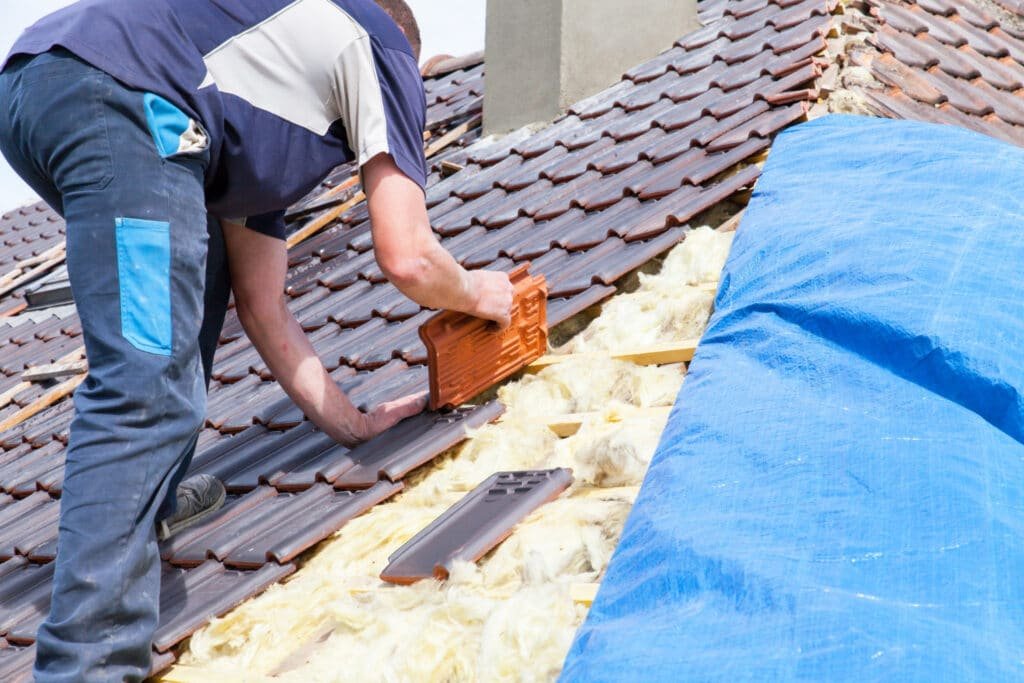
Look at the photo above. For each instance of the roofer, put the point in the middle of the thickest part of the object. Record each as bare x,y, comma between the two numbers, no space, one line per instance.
171,135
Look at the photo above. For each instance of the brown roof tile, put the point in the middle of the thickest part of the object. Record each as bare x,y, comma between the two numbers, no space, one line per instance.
474,525
267,526
948,62
407,446
190,597
16,662
24,598
1016,6
467,355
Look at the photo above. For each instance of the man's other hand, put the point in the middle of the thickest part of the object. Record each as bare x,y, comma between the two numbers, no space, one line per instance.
387,415
492,295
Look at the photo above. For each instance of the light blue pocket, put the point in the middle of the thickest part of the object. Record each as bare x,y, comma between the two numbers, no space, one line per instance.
172,130
144,279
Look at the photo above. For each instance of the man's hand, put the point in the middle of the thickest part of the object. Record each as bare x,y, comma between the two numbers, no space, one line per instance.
492,294
387,415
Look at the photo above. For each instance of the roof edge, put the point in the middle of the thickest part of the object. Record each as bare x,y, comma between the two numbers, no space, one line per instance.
442,64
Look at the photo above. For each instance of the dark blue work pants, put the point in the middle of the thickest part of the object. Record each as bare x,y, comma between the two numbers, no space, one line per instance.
148,277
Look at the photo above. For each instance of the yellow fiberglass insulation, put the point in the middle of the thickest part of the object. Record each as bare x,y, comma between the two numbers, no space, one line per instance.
666,307
512,616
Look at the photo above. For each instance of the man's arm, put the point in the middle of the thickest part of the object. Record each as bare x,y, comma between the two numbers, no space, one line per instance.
411,257
258,266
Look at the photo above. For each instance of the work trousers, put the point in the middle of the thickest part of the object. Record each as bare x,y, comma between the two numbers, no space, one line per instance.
149,279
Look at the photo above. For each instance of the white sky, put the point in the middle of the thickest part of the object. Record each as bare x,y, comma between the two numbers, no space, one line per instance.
453,27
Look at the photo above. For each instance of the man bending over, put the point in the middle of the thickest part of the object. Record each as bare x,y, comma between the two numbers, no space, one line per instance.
172,135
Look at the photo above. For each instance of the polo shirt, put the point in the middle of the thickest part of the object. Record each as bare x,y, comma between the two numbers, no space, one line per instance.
285,90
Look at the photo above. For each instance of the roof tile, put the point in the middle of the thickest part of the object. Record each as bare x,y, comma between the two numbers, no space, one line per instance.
981,40
965,64
474,525
548,137
490,246
409,445
648,93
621,156
743,8
1005,73
16,662
959,93
561,309
630,127
24,602
590,229
188,598
899,17
1009,108
460,219
21,472
652,69
530,171
575,165
560,199
468,355
598,104
266,526
764,126
473,185
610,189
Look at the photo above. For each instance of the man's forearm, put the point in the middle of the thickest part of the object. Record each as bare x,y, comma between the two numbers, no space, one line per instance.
411,257
289,355
258,266
432,278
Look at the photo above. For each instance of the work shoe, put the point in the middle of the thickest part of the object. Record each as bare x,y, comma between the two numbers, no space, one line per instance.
198,498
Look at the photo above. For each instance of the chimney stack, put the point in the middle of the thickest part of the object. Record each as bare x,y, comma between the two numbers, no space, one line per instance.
545,55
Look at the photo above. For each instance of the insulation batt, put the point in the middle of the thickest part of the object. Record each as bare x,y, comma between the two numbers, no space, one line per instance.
663,309
511,616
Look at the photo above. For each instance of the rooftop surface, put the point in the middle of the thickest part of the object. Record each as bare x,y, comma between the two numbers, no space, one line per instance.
605,189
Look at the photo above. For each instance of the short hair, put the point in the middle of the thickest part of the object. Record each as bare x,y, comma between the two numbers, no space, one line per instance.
402,15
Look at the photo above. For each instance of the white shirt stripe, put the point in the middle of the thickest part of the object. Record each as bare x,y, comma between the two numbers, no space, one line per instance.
310,64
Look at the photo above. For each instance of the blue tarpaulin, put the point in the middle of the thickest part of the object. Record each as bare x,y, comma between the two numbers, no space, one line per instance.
839,493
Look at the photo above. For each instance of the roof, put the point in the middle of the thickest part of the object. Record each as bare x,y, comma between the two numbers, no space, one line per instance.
603,190
30,237
960,63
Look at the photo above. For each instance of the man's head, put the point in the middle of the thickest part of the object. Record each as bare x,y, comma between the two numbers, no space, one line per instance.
403,16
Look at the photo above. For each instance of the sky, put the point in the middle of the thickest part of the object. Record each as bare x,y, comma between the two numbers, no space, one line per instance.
453,27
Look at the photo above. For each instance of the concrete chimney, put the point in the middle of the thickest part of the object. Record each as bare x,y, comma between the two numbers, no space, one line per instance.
544,55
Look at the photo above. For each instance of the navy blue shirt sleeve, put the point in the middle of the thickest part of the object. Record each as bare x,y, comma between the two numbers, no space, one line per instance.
405,110
271,224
